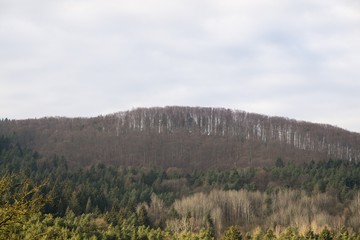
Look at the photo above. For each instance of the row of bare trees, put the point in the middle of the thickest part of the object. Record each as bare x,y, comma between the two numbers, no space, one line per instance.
184,137
332,141
251,210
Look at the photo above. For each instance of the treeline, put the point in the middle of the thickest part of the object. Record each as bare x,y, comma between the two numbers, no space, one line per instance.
183,137
120,203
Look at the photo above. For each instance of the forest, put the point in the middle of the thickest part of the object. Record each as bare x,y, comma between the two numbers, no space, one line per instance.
183,137
46,198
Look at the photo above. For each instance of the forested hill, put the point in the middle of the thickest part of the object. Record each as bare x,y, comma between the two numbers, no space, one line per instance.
183,137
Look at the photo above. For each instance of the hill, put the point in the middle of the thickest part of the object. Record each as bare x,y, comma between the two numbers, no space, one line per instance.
183,137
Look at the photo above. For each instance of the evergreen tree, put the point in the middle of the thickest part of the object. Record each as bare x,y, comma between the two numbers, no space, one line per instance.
232,233
210,225
326,234
269,235
88,207
18,202
143,218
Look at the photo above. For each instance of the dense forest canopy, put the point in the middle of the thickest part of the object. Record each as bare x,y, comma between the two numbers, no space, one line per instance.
183,137
178,173
104,202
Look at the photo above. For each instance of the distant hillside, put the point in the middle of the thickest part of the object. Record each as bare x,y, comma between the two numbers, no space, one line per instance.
184,137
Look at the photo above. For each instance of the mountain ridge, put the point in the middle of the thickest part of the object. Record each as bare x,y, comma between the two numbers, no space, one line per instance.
184,137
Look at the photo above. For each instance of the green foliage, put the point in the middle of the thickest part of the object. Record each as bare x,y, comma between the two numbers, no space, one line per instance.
310,235
18,201
269,235
232,233
326,234
344,234
102,202
290,233
279,163
143,218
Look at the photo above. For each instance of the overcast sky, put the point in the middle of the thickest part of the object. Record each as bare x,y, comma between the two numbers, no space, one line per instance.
297,59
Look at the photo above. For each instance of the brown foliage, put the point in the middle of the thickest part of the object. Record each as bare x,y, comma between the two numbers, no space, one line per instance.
280,210
184,137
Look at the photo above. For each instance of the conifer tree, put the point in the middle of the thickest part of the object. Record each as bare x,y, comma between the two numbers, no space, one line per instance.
233,233
18,201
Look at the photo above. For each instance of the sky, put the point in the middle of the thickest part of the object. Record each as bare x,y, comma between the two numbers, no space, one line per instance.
83,58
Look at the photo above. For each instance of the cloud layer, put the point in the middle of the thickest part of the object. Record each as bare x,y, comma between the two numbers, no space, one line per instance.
84,58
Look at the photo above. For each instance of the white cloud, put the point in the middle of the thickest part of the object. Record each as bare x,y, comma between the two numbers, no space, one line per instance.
295,59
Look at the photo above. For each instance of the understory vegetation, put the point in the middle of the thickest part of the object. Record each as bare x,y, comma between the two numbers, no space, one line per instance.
44,198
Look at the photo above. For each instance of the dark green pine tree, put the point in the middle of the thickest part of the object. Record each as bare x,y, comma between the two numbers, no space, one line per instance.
269,235
232,233
326,234
143,218
88,208
210,225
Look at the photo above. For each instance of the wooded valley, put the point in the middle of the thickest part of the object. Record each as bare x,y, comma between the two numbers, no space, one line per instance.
104,202
178,173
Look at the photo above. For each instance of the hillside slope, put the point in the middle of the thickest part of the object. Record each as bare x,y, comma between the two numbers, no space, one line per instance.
184,137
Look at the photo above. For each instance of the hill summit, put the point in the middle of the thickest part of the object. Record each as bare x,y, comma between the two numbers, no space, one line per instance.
184,137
